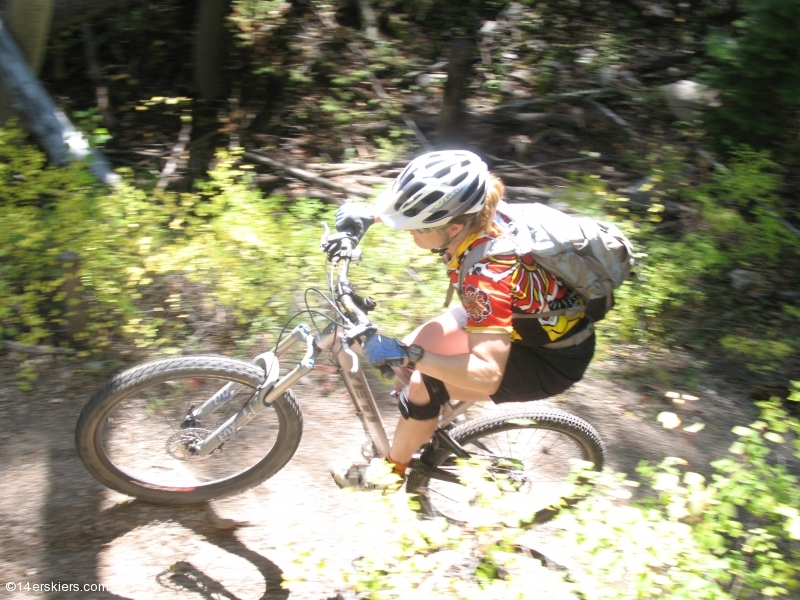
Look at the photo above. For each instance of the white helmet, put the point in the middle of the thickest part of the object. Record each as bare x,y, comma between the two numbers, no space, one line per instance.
434,189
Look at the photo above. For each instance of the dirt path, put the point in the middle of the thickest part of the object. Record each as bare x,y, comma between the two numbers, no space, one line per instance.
57,525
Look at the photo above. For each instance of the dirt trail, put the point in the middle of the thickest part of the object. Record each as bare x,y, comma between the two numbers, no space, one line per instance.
57,525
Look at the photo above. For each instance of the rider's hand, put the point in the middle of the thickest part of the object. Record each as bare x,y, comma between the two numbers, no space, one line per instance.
355,218
381,350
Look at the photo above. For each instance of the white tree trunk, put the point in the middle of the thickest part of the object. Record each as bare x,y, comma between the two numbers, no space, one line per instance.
59,138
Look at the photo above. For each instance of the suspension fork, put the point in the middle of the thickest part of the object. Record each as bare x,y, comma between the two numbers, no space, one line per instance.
266,361
268,392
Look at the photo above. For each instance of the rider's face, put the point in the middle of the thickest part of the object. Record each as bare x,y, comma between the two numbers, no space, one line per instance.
435,238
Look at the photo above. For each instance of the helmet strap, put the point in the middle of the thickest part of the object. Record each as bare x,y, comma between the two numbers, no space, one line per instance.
457,238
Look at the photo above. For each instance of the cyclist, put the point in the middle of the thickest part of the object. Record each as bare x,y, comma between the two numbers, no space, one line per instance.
485,349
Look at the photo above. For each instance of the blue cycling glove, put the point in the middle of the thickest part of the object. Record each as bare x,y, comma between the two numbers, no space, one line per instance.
355,218
381,350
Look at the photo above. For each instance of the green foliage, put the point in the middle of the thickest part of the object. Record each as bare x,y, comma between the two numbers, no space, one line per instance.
735,537
734,222
756,72
154,264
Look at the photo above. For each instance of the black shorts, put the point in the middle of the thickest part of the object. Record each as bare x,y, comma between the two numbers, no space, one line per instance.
537,373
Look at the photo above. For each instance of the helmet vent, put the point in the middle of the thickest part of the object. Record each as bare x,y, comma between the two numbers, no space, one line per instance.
407,193
404,178
411,212
478,196
459,179
442,172
436,161
431,198
437,216
467,195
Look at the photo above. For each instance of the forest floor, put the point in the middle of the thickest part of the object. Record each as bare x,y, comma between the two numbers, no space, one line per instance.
58,525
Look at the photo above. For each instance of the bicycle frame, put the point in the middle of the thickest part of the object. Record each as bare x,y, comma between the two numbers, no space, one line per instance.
272,389
344,351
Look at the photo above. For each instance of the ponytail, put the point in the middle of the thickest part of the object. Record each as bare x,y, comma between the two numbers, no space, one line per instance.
495,190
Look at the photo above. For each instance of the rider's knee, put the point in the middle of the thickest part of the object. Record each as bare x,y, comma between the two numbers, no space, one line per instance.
422,399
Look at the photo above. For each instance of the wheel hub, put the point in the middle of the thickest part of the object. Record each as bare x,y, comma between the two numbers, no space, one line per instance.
179,444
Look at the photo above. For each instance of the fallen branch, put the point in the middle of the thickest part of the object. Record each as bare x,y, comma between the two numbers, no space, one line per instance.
372,180
177,152
617,120
661,62
529,168
347,168
652,9
305,175
528,192
376,85
28,349
552,99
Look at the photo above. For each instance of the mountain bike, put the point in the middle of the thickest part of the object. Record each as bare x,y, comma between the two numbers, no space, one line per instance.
195,428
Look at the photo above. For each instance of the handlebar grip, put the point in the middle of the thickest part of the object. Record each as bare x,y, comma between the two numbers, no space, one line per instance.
387,372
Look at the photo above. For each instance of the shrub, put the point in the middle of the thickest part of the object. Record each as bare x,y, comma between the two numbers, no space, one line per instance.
155,264
755,70
733,537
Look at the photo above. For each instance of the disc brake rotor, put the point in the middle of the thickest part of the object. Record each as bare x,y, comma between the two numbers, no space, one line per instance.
178,443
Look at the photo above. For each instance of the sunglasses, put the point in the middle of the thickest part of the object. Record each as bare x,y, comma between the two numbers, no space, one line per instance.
424,230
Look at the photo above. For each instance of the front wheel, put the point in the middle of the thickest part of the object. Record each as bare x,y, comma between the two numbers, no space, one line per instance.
132,434
528,449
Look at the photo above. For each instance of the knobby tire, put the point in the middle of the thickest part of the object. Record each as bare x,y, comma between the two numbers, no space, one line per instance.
131,416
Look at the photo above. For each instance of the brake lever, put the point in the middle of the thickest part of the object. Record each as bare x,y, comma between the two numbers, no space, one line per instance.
351,354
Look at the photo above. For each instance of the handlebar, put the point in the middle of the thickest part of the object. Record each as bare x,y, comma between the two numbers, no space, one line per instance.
340,248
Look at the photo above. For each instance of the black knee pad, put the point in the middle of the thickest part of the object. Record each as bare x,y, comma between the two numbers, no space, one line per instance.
438,394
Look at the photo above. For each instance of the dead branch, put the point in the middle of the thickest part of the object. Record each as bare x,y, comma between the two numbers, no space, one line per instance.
305,175
528,192
652,9
28,349
372,180
177,153
617,120
333,169
551,99
376,85
660,62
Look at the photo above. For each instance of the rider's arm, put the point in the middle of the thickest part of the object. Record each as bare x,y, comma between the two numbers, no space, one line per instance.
481,370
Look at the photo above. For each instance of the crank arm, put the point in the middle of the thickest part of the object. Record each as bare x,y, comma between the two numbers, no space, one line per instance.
433,472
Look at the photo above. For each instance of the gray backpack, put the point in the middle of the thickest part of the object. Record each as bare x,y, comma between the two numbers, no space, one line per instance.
591,258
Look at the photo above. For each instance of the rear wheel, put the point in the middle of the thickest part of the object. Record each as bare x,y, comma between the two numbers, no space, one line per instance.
526,449
132,437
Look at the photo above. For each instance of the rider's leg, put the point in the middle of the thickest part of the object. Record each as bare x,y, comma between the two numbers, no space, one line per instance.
443,335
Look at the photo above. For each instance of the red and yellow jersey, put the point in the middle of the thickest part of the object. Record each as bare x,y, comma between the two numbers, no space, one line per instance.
498,287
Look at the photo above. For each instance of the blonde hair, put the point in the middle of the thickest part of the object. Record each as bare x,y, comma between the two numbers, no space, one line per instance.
495,190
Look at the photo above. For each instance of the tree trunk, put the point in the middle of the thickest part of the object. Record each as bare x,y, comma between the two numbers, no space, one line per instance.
208,43
59,138
451,122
